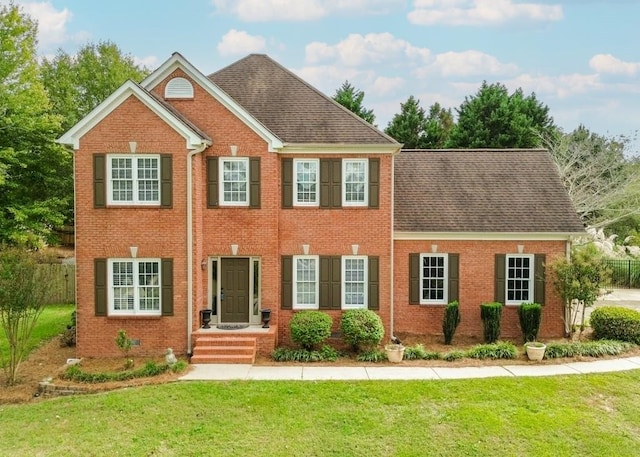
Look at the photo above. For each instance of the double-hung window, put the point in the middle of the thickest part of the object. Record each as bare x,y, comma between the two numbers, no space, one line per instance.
305,175
234,181
305,282
433,279
355,182
134,286
354,282
134,179
519,278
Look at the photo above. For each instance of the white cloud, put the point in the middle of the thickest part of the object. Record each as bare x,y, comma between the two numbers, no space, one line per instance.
471,63
302,10
52,23
359,49
383,85
328,78
480,12
237,42
608,64
561,86
150,62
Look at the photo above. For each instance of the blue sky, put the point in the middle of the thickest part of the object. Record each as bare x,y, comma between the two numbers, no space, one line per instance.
580,57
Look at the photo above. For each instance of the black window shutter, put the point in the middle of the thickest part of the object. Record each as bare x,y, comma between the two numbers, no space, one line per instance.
374,183
166,181
540,278
212,182
286,275
454,277
254,182
414,279
99,181
325,183
500,278
336,183
336,282
287,183
374,283
325,298
166,270
100,285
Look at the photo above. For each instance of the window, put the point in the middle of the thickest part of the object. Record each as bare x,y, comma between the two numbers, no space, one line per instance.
519,276
134,179
354,282
433,279
305,282
355,183
306,182
234,181
134,286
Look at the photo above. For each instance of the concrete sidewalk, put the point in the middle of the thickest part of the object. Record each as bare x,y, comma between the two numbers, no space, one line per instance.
326,373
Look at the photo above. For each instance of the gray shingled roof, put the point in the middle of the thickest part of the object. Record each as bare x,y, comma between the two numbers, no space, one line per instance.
289,107
513,190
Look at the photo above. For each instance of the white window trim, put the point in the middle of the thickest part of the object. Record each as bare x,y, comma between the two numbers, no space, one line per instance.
343,282
134,176
445,296
297,305
136,311
532,272
221,181
366,182
295,182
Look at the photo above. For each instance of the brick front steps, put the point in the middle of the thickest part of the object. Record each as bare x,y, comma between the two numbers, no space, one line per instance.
224,349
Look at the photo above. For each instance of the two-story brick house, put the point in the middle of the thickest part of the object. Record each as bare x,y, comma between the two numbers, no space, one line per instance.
249,189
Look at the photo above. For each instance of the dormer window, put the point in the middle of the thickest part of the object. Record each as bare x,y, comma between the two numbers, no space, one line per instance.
178,88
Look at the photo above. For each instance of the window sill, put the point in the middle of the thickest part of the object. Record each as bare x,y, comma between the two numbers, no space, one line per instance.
133,317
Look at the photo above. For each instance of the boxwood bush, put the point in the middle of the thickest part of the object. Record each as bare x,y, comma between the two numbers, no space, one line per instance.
310,328
616,323
450,321
491,313
530,315
362,329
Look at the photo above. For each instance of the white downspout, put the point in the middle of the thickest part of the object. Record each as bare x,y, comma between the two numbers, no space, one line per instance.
198,150
393,260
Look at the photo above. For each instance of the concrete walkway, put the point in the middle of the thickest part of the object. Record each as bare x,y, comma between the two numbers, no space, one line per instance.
326,373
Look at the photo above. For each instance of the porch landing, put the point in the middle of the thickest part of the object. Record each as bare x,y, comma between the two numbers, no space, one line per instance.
216,346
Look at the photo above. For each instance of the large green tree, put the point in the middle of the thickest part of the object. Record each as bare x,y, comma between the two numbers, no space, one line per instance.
35,173
409,125
77,84
493,118
352,98
438,127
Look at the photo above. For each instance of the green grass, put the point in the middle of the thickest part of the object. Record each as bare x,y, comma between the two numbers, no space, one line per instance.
53,321
587,415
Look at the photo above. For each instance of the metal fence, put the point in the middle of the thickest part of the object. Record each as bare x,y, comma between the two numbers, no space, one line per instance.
624,273
63,289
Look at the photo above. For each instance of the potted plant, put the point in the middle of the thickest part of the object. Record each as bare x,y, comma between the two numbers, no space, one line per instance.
394,351
535,350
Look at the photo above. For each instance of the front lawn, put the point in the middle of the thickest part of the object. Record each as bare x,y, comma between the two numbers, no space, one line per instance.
587,415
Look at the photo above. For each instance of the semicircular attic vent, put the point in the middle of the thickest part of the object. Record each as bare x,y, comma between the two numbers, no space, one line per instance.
178,88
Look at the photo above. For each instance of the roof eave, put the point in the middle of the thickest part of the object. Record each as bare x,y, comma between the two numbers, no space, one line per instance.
487,236
342,148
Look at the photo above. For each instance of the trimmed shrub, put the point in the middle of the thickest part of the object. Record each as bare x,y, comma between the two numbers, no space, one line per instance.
362,329
450,321
530,316
616,323
491,313
310,328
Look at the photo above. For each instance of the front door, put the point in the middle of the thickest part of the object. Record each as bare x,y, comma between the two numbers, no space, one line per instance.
234,293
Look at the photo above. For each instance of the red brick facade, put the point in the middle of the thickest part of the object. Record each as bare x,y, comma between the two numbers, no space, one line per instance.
264,234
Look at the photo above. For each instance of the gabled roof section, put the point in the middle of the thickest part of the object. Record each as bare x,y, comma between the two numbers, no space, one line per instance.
288,106
506,191
194,137
177,61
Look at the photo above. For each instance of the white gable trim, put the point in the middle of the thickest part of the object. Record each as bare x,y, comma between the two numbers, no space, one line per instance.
177,61
129,89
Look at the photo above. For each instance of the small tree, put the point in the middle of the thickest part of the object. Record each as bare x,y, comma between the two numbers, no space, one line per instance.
124,344
24,285
579,282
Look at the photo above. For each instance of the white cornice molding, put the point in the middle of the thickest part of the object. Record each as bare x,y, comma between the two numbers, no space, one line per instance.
330,148
486,236
129,89
176,61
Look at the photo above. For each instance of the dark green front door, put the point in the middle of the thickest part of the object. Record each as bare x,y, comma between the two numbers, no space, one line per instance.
235,290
